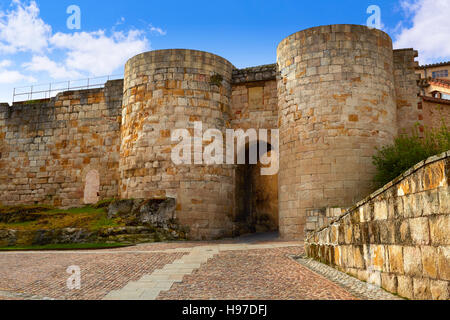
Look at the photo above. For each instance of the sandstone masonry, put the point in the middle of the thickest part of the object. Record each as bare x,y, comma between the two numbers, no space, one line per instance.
48,147
398,238
336,93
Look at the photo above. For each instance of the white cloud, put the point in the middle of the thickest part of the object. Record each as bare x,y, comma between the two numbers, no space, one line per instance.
21,29
409,7
7,77
430,30
120,21
80,53
54,69
12,76
98,54
5,63
159,31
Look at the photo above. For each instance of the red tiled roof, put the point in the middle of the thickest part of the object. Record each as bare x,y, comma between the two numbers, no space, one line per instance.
440,82
436,100
440,64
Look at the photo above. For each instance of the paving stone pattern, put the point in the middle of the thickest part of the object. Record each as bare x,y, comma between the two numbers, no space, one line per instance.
358,288
244,269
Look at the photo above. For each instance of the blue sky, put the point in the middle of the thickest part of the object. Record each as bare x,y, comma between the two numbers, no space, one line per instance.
37,47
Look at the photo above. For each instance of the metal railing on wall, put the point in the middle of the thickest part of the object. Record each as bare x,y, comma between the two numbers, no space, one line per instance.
49,90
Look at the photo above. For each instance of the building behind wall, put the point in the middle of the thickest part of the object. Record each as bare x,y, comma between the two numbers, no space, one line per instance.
434,71
336,93
435,94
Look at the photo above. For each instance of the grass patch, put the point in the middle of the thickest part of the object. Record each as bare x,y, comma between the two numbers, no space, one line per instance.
102,223
103,203
62,247
25,208
86,209
33,218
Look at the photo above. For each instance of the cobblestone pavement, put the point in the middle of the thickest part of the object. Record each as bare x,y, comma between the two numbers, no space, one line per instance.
244,269
264,274
44,274
358,288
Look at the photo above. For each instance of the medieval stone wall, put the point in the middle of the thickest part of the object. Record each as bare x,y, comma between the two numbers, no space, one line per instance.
336,93
48,147
398,237
255,106
336,105
436,112
167,90
409,111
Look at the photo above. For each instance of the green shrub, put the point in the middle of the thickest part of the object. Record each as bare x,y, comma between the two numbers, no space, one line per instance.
216,80
103,203
407,151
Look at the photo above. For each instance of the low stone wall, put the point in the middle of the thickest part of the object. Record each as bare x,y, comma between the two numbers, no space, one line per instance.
317,219
399,237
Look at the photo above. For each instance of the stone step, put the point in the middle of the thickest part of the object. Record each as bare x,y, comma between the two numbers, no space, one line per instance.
146,285
125,294
157,277
177,277
178,270
150,286
149,295
184,266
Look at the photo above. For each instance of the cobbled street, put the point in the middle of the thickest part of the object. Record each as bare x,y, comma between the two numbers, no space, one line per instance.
254,268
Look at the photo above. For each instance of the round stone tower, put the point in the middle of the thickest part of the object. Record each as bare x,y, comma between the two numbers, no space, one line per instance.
336,105
167,90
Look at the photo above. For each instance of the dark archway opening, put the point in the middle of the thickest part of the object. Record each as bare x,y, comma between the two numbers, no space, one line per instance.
256,198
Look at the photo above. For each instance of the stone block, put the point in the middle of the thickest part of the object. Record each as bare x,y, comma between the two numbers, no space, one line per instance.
334,234
387,232
440,229
358,259
421,289
363,275
350,256
429,262
348,233
380,210
444,200
405,287
374,278
378,259
396,259
337,256
419,230
440,290
443,262
412,261
430,202
389,282
403,233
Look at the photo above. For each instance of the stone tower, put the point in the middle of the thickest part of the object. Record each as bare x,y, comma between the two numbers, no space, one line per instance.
336,94
166,90
336,105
